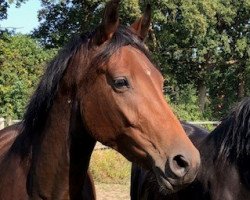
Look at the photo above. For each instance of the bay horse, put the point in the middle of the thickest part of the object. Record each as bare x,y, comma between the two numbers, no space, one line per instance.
225,163
101,87
8,136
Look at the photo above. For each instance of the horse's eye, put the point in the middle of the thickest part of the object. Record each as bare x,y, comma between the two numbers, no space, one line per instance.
121,83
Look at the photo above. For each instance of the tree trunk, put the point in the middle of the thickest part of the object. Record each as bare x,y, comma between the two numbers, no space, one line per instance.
202,90
152,40
241,82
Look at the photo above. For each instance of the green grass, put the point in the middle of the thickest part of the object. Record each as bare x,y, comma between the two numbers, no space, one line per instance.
108,166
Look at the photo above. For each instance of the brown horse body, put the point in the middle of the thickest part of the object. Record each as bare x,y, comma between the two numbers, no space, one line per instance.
99,88
7,137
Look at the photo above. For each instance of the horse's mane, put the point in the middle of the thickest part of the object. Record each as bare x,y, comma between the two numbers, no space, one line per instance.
233,134
42,100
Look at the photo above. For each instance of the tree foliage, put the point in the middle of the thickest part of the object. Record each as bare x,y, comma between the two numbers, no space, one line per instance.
202,47
5,4
59,20
3,9
205,43
21,64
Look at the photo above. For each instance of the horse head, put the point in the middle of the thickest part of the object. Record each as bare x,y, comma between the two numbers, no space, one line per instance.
122,104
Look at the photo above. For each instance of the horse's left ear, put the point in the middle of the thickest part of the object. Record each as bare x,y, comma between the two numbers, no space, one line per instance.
141,26
110,22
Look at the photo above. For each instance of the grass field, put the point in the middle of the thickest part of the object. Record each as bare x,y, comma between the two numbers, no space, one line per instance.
109,167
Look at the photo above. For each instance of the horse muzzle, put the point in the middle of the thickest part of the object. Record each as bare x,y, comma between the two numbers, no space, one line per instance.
179,171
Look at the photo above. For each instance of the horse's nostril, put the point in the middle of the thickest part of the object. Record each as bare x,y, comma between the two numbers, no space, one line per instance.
179,166
180,161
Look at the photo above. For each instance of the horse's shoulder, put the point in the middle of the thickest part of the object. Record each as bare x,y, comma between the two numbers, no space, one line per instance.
194,132
8,136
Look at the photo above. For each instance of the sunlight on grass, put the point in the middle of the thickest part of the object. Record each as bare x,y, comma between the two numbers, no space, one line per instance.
108,166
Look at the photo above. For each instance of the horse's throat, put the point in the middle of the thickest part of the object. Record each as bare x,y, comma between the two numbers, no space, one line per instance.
82,145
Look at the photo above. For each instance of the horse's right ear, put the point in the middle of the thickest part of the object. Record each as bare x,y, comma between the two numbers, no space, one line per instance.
110,23
142,25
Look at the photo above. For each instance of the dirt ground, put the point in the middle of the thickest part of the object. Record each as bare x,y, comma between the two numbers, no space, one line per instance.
112,191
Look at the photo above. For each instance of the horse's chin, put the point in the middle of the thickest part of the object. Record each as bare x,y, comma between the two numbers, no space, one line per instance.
166,185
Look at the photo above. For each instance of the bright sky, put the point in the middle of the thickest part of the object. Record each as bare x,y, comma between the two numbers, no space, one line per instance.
23,18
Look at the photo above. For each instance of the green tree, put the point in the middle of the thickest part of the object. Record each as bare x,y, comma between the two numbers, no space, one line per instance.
5,4
197,38
232,68
21,64
59,20
198,42
3,9
185,105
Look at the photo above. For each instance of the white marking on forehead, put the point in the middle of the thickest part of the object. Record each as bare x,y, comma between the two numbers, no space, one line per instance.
145,67
148,72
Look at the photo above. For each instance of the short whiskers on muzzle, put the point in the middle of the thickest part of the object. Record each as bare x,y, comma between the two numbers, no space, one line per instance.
153,184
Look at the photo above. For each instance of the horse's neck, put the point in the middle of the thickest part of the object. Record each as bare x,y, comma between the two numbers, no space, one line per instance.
61,156
221,181
195,133
216,178
82,145
207,151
